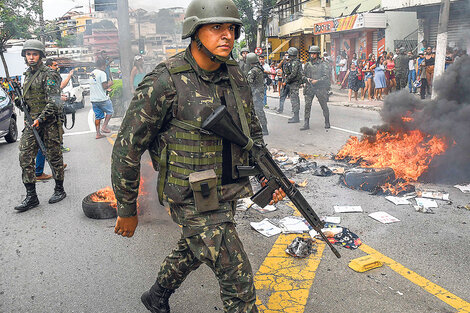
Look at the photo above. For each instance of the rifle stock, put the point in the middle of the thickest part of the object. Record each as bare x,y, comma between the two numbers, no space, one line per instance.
221,123
29,122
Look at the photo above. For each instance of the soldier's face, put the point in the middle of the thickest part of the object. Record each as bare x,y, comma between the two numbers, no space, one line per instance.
32,57
218,38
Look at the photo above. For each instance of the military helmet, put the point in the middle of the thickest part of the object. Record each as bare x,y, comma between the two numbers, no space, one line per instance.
252,58
202,12
33,44
292,51
314,49
244,49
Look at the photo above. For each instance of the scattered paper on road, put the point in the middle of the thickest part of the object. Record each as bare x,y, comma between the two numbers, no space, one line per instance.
347,208
303,184
439,195
265,227
328,232
331,219
398,200
463,188
293,225
266,209
426,203
423,209
383,217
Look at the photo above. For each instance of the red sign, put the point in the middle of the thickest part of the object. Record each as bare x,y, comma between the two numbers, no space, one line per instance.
324,27
259,51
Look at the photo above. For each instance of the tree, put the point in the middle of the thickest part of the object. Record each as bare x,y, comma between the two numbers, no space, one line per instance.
254,12
16,19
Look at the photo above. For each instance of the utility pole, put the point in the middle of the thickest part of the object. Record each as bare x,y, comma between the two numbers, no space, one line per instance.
441,46
125,49
41,23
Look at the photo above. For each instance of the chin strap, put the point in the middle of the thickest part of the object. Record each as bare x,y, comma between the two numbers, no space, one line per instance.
213,57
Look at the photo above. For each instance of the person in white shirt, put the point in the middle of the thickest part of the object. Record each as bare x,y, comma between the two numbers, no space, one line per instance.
411,72
102,105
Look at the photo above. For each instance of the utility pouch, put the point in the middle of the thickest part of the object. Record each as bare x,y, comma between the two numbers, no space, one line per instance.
204,187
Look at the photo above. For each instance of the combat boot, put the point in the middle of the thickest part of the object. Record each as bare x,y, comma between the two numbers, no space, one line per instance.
294,119
31,200
306,125
156,299
59,192
327,122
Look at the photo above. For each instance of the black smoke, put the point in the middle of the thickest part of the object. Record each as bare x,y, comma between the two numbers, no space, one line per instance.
448,115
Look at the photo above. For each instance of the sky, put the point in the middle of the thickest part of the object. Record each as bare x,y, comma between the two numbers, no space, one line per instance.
57,8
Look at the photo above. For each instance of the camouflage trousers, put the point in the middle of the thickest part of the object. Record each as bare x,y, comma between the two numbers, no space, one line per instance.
219,247
258,101
29,149
402,80
322,96
293,92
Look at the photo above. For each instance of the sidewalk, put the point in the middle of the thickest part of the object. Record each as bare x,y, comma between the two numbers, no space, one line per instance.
340,98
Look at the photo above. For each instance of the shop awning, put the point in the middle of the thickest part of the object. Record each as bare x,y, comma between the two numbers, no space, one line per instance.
279,48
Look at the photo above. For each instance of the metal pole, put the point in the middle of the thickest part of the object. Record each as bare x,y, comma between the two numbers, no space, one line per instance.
41,22
125,49
441,46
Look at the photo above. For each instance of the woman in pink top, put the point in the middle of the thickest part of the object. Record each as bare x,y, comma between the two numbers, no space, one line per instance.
390,73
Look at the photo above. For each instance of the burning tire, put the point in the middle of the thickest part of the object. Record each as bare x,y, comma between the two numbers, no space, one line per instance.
98,210
368,179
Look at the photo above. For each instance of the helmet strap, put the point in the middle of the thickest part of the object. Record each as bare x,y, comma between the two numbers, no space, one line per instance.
214,58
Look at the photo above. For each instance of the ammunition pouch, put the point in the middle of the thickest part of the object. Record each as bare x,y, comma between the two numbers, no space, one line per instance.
204,187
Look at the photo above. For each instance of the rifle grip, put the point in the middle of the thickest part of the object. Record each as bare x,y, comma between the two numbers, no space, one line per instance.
263,196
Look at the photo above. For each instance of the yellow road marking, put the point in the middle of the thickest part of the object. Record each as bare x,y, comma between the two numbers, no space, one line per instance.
110,140
457,303
286,279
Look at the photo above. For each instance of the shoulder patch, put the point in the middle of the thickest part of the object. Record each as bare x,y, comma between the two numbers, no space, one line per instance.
51,82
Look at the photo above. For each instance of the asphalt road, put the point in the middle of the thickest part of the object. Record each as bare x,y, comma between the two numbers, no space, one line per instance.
54,259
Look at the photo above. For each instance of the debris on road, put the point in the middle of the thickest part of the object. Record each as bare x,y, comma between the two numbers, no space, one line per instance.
244,204
331,219
383,217
301,247
426,203
439,195
421,209
293,225
266,228
367,179
365,263
302,184
398,200
340,236
266,209
347,208
466,207
463,188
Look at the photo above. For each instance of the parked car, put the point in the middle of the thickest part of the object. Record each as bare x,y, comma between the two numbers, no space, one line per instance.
8,127
74,89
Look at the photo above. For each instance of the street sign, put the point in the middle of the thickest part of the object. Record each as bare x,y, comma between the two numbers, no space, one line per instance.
259,51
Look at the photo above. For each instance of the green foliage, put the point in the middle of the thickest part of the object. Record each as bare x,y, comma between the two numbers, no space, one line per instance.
16,18
116,90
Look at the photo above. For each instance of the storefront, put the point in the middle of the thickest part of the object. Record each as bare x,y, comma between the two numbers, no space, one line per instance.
360,33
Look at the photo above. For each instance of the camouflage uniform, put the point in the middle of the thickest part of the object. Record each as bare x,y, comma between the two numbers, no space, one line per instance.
256,81
245,67
164,117
316,70
401,70
293,78
43,99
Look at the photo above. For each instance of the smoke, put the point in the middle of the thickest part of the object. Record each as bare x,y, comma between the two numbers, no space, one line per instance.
448,115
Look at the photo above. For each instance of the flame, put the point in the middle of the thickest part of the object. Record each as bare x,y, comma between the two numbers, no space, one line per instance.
105,195
408,154
407,119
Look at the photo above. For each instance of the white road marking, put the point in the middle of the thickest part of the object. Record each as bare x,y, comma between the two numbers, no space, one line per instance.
91,121
79,133
332,127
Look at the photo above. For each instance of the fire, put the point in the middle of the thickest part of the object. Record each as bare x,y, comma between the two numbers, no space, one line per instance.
408,154
105,195
407,119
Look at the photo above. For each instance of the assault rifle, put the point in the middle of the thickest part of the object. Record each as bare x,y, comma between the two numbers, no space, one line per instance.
29,121
220,122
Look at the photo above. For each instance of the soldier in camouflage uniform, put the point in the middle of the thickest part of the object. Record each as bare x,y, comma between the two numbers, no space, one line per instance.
293,79
317,82
243,64
401,69
41,92
165,117
256,81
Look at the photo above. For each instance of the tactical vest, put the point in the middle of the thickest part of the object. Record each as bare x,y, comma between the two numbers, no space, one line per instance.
258,73
35,97
318,71
298,78
184,148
